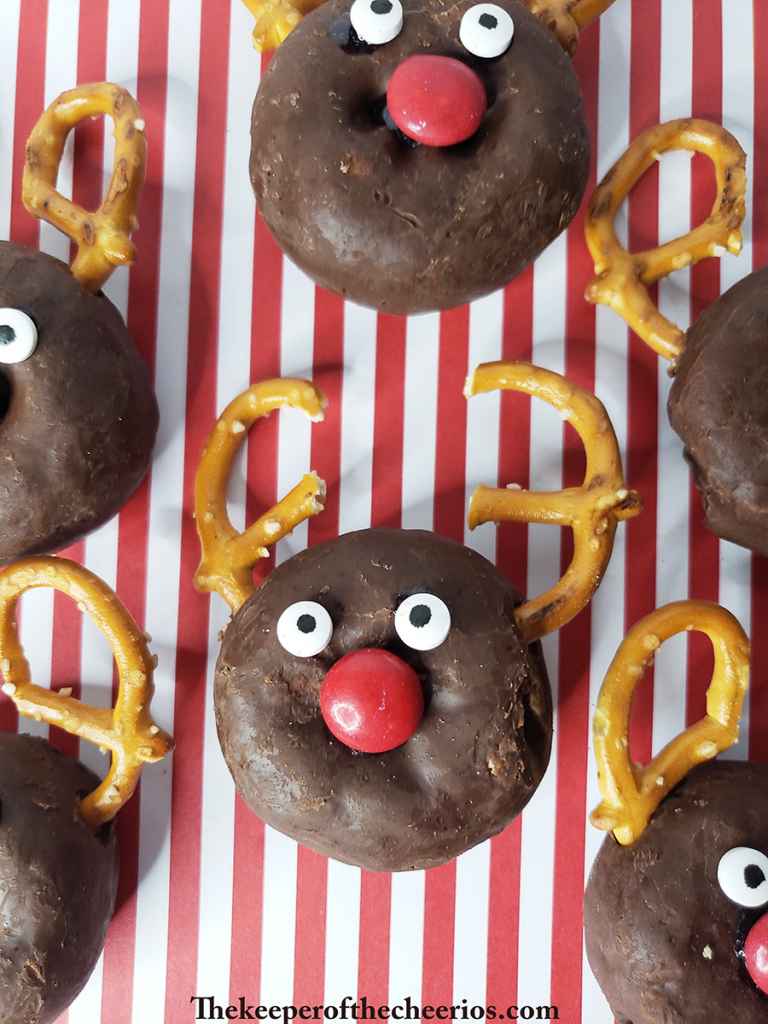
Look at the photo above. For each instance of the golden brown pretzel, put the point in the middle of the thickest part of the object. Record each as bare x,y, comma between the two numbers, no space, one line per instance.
228,557
103,238
276,19
592,510
127,731
566,18
622,277
631,793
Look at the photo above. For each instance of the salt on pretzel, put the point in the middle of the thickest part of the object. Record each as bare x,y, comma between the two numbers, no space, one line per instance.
228,557
631,793
276,19
623,278
102,237
127,730
566,18
592,511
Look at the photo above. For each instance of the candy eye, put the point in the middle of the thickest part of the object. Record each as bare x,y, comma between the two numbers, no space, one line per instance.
486,30
743,877
304,629
18,336
377,21
422,622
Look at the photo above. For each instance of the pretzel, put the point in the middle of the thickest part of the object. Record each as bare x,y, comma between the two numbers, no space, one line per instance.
276,19
103,238
623,278
228,557
566,18
127,731
631,793
592,511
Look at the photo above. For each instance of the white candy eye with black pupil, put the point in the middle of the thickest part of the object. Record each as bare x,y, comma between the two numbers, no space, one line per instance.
18,336
304,629
486,30
376,21
743,877
422,622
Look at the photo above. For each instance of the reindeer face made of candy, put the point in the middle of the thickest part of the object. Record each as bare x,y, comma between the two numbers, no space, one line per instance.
720,366
412,155
382,697
676,913
58,850
78,417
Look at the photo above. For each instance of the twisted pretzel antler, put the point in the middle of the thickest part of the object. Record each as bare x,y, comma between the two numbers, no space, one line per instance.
630,792
276,19
592,510
127,730
622,277
103,237
566,18
228,557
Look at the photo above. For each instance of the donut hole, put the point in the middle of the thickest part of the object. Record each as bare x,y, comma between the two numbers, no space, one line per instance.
5,395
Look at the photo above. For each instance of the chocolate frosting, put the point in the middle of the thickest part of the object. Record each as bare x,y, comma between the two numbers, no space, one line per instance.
77,419
480,751
58,881
719,407
662,937
406,229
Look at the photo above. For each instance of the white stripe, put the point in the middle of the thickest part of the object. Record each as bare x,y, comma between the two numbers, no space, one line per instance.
167,485
278,919
739,118
406,936
422,355
544,542
357,418
470,940
218,812
608,611
672,559
9,52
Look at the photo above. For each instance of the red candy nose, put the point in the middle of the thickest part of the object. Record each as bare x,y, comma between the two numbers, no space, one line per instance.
372,701
756,954
437,101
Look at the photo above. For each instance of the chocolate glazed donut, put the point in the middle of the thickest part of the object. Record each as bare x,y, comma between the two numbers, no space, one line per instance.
409,223
717,403
382,697
58,847
482,746
676,909
78,416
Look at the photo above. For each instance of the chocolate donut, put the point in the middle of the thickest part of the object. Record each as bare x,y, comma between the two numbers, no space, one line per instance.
58,881
78,416
475,758
670,920
398,224
718,407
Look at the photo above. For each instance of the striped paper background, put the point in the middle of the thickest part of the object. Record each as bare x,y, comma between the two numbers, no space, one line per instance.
212,902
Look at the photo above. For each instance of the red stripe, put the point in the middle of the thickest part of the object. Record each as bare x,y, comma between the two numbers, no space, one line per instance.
248,868
312,870
449,515
512,560
388,421
133,528
758,702
574,640
705,287
642,383
189,709
24,229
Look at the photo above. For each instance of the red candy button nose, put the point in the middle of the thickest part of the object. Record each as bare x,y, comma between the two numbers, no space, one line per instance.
372,701
437,101
756,954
